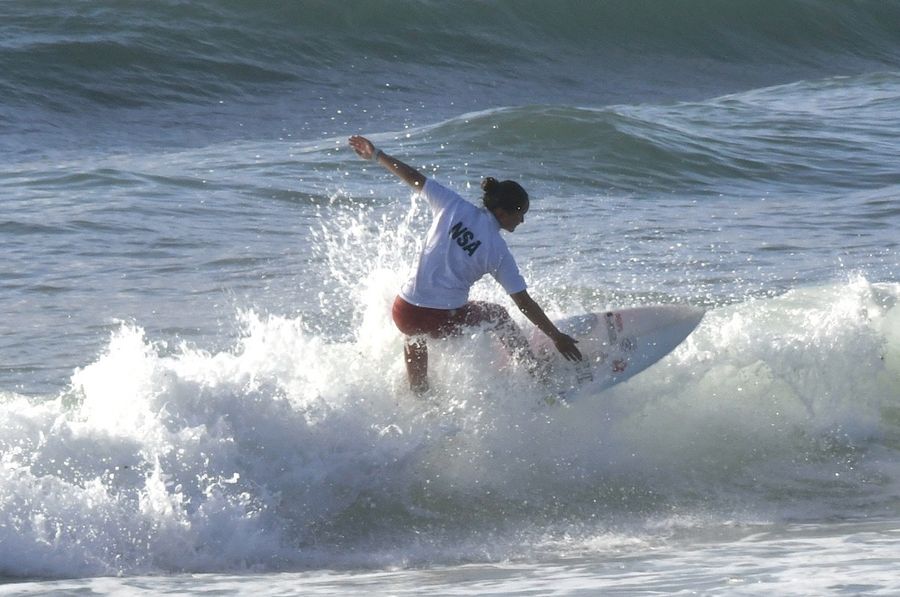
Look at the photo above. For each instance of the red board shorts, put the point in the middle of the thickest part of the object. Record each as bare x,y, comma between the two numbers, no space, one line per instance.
440,323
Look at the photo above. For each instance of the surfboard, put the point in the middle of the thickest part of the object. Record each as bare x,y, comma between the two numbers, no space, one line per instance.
616,345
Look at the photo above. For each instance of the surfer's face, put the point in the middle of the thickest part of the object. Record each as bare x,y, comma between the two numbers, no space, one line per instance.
509,219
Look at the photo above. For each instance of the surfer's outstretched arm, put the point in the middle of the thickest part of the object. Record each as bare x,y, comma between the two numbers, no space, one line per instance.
564,344
367,151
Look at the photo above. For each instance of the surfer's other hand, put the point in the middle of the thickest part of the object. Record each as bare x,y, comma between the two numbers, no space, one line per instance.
362,146
566,346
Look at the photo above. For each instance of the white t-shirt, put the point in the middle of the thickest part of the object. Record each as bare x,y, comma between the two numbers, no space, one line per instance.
463,244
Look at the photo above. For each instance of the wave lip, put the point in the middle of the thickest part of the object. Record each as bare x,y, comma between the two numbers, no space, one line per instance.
825,135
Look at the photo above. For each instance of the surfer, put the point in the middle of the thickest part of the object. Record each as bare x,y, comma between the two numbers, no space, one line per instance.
463,244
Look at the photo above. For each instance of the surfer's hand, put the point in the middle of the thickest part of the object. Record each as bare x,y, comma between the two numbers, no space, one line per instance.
363,147
566,346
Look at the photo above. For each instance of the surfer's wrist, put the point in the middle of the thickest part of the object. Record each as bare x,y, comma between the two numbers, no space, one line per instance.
376,153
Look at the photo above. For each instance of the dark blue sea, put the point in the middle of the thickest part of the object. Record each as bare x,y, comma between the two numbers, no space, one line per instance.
202,391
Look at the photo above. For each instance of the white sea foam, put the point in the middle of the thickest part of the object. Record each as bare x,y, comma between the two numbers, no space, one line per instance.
300,444
288,445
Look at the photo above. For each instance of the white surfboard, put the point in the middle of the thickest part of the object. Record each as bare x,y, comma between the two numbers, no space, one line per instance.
616,345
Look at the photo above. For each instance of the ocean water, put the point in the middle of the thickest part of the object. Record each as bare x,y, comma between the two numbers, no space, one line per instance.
201,389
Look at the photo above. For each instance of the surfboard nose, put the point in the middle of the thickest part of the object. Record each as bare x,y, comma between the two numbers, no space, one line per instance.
688,314
686,318
695,313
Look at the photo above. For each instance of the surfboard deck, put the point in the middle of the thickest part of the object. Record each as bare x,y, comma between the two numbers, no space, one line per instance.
616,345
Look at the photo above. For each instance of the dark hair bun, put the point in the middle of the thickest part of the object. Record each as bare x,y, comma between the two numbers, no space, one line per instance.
508,194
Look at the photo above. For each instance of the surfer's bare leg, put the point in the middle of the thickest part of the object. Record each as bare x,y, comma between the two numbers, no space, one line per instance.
415,354
509,334
517,347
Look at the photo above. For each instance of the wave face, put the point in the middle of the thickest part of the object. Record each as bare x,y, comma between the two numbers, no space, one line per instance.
190,46
209,65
